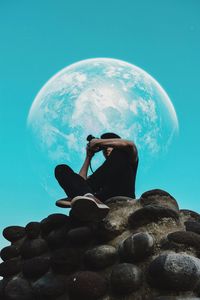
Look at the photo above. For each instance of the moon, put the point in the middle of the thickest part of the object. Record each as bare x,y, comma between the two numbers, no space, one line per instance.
94,96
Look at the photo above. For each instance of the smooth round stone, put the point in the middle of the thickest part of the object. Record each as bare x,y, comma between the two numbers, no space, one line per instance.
100,257
119,199
57,237
125,278
18,289
174,271
136,247
14,233
86,285
9,252
10,267
151,213
33,230
190,215
80,235
31,248
49,286
159,197
192,226
108,230
3,283
35,267
185,237
65,261
176,298
54,221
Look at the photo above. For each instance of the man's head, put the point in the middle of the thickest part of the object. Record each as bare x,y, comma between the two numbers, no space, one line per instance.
109,135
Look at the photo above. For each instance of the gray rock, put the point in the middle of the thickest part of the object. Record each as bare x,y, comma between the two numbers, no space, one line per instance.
9,252
18,289
136,247
151,213
191,215
119,199
192,226
86,285
57,237
33,230
176,298
80,235
174,272
31,248
185,237
65,261
35,267
10,267
49,286
100,257
54,221
125,278
14,233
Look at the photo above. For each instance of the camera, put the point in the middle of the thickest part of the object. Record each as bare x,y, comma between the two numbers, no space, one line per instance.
91,137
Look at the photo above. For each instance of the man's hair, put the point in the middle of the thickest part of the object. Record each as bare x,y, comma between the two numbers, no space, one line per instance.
110,135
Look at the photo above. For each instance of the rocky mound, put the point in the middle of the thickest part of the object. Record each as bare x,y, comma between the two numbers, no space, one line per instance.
145,249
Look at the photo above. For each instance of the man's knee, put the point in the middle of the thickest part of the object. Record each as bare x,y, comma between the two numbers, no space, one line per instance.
62,169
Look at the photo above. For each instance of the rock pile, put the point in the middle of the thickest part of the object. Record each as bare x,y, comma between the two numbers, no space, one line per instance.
145,249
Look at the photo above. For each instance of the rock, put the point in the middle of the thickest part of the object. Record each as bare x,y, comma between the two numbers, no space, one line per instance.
14,233
33,230
80,235
176,298
49,286
137,247
65,261
119,199
57,237
151,213
185,237
31,248
10,267
86,285
35,267
100,257
174,272
189,215
54,221
192,226
159,197
18,289
125,278
3,283
9,252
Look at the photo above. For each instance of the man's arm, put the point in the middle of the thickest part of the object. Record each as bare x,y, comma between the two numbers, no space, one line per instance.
84,169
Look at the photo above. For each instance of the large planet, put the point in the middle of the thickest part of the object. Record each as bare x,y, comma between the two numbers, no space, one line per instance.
94,96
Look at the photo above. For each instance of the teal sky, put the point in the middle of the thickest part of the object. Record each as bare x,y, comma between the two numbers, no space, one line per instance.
39,38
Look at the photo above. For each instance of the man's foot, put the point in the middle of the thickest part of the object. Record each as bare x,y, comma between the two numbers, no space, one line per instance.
64,203
89,208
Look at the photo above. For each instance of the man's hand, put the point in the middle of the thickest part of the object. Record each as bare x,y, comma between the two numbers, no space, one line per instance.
94,145
89,153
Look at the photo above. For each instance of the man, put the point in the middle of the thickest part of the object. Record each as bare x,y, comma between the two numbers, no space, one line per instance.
116,176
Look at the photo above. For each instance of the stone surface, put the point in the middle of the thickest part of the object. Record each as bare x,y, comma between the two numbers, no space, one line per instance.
14,233
174,272
32,230
125,278
9,252
192,226
185,237
151,213
57,237
187,214
10,267
100,257
86,285
18,289
54,221
65,261
136,247
80,235
35,267
31,248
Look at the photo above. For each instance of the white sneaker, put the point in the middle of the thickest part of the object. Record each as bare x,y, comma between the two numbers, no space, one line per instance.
89,208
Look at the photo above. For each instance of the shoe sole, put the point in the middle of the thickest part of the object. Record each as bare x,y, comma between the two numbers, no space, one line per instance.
88,210
63,203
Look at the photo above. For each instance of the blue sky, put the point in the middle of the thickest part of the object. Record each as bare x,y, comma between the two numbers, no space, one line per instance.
39,38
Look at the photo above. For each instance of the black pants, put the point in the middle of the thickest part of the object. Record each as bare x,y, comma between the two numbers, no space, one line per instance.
109,180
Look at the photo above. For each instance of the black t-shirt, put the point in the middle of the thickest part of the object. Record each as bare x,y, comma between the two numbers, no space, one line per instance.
116,176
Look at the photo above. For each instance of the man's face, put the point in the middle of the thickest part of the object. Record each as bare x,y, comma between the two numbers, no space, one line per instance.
107,151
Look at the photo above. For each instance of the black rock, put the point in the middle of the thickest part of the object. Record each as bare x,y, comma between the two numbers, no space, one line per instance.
176,298
3,283
80,235
108,230
185,237
9,252
86,285
174,272
159,197
31,248
10,267
65,261
35,267
151,213
33,230
54,221
119,199
49,286
192,226
100,257
18,289
125,278
57,237
14,233
136,247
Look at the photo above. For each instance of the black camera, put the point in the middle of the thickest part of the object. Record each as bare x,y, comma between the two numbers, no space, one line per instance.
91,137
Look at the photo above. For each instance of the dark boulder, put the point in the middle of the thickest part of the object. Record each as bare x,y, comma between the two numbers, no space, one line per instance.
35,267
10,267
18,289
33,230
31,248
14,233
100,257
9,252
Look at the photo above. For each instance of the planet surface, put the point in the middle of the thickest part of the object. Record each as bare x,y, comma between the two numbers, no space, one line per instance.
94,96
